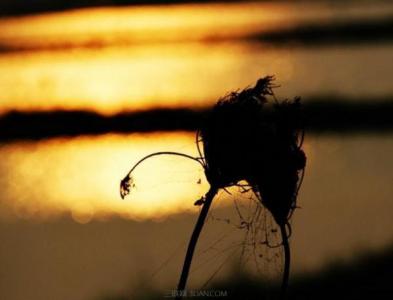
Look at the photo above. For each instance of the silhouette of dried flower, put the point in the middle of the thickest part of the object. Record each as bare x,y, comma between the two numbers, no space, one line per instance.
248,136
246,139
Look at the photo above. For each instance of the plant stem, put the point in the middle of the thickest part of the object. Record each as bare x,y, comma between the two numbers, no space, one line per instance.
164,153
124,186
193,241
287,261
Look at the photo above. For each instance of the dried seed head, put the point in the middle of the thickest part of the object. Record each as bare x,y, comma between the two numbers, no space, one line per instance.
251,136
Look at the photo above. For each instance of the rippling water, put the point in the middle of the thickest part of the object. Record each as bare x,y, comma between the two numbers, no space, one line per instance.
142,77
187,22
346,196
82,176
109,60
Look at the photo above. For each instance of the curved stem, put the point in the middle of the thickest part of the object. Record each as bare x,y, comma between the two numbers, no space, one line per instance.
164,153
287,258
193,241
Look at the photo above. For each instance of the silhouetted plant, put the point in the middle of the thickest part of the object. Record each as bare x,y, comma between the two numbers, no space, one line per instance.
249,136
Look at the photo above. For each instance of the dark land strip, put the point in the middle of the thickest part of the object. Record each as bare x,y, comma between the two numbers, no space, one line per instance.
321,116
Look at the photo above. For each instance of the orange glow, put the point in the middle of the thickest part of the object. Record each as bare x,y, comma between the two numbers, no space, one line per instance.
136,58
103,26
140,77
82,176
114,59
96,27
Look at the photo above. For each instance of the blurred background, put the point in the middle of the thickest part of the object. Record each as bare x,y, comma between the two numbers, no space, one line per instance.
87,88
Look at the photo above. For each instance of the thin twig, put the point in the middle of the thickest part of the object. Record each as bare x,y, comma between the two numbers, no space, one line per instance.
125,185
164,153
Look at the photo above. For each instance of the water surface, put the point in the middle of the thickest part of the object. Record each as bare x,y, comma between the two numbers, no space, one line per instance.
60,212
114,59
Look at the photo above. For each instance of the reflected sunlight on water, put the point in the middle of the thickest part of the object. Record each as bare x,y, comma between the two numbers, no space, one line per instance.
41,180
133,78
346,193
346,196
46,179
94,27
103,26
114,59
143,77
136,58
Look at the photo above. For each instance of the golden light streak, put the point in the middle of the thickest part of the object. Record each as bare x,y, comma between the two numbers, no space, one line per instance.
122,25
113,59
96,27
140,77
137,58
81,177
